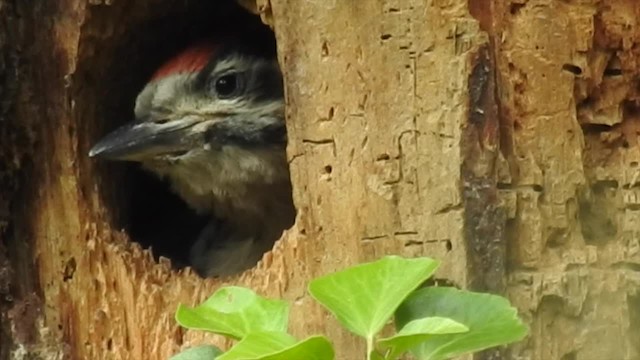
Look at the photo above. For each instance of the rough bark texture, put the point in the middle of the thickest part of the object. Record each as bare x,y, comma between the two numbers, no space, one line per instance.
498,136
569,98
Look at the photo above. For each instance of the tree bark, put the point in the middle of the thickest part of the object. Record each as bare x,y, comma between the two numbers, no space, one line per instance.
500,137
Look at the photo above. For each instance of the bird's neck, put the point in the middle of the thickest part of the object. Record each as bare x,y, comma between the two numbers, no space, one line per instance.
247,187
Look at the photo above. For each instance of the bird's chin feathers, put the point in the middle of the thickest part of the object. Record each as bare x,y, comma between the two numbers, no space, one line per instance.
228,179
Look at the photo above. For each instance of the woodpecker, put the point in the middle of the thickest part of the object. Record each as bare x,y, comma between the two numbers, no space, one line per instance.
211,122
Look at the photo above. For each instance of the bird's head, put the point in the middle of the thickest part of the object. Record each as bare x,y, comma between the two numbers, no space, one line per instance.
209,96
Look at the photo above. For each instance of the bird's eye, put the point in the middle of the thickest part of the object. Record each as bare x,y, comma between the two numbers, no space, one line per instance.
227,86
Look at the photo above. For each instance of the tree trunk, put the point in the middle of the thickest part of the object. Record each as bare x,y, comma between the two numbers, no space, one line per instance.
500,137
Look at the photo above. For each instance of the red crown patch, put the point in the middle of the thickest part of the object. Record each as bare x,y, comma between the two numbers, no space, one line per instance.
192,59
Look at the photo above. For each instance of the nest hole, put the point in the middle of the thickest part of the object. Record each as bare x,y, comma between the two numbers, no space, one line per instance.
117,68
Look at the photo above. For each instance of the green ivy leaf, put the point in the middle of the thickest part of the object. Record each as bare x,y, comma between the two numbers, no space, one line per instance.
235,312
279,346
257,344
312,348
491,320
203,352
418,331
365,296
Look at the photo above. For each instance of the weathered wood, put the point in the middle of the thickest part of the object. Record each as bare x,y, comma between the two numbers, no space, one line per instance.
568,88
498,136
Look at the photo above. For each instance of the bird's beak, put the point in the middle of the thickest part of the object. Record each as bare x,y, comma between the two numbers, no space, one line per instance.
139,141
